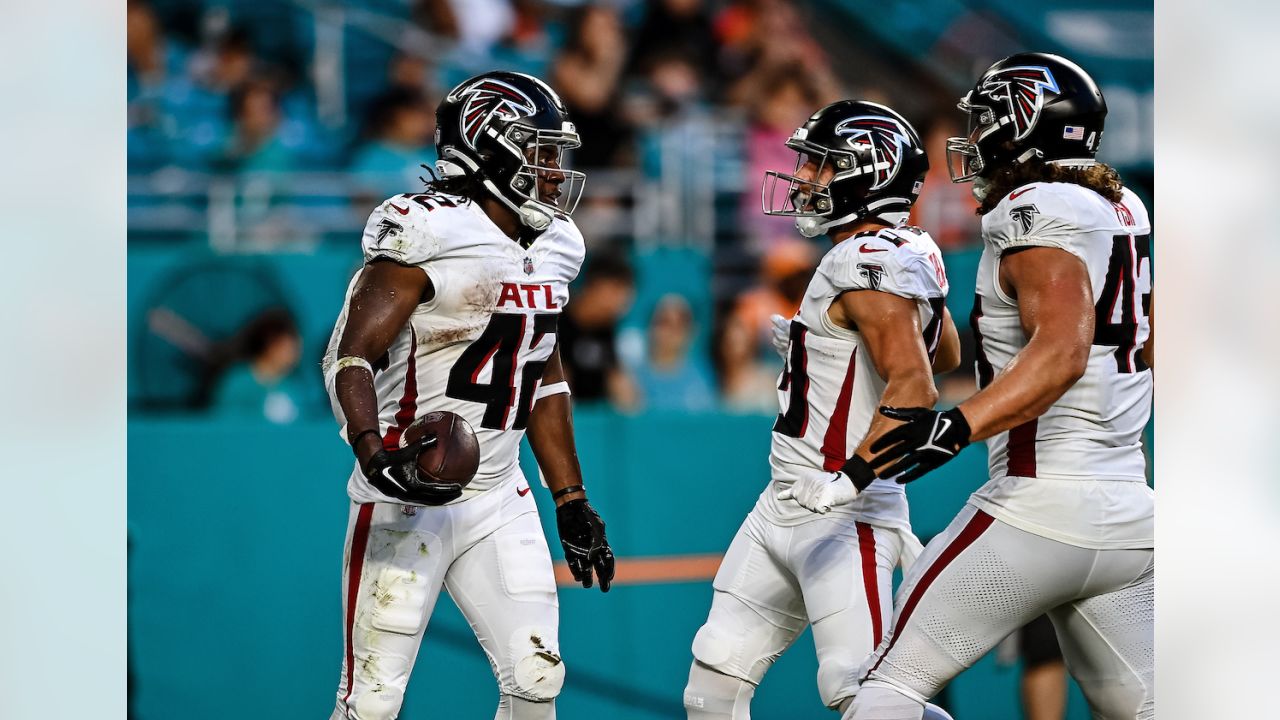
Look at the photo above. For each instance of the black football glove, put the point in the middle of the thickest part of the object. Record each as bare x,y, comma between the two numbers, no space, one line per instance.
394,473
585,546
927,440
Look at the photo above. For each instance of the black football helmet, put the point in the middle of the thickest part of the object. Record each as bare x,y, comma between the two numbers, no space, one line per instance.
878,161
494,128
1028,106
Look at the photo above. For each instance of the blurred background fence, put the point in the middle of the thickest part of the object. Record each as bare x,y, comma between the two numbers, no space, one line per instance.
262,133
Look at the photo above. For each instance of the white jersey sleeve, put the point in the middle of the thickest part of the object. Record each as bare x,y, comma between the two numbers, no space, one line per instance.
1056,215
887,261
398,231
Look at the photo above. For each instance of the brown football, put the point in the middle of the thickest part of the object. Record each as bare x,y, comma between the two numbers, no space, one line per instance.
455,455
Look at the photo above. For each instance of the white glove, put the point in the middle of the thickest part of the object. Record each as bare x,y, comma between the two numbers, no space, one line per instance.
780,334
819,491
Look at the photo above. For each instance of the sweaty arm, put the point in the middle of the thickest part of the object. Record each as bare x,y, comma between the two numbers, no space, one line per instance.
1055,303
550,433
947,358
384,298
891,333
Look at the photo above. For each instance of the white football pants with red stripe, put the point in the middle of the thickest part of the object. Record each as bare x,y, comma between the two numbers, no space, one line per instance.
773,582
982,579
491,555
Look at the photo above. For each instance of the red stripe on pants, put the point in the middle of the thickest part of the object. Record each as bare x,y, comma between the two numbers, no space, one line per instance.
1022,450
833,443
359,542
870,578
975,527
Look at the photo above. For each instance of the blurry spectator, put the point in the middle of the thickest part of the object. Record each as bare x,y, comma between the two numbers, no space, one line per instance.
153,65
676,28
588,333
401,125
945,209
746,384
785,273
784,101
265,384
669,379
411,72
257,142
586,74
477,25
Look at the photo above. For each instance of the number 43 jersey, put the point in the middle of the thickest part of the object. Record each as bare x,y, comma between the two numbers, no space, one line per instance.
479,346
830,390
1076,473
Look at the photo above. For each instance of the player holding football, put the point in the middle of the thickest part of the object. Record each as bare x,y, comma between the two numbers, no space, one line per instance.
822,541
1065,525
455,309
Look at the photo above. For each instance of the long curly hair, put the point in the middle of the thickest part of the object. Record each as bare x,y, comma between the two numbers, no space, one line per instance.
1100,178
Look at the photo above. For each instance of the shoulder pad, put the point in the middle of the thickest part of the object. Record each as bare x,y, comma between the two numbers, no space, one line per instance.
1045,215
401,229
889,261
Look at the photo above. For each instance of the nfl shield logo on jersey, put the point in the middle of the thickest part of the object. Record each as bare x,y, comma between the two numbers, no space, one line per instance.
528,266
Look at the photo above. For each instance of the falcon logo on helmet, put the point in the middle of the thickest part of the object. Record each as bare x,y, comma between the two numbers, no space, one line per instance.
1023,88
885,136
486,99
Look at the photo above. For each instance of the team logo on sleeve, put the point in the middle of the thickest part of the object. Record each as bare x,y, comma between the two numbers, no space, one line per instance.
1023,88
1025,215
873,273
884,137
487,99
388,227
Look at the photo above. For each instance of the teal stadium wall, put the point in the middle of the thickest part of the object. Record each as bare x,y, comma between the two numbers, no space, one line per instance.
236,543
236,533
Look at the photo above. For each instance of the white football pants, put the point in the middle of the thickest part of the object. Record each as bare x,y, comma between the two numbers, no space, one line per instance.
830,571
982,579
490,553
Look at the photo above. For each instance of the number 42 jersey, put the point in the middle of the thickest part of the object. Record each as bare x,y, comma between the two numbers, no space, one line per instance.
479,346
1076,473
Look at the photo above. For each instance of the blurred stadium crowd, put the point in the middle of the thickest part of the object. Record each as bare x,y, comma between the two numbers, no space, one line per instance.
274,126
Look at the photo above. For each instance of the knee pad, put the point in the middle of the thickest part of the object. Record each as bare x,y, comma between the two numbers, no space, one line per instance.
379,703
537,673
711,694
838,674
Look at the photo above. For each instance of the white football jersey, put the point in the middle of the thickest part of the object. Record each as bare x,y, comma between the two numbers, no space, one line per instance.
479,346
829,391
1077,472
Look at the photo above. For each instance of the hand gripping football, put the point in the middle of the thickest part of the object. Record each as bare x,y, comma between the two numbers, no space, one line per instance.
454,456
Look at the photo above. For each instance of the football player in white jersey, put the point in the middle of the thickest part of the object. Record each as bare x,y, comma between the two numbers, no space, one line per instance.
1065,524
820,545
455,309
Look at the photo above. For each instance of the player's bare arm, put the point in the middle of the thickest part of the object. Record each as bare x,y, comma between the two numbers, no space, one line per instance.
947,358
1055,304
891,333
381,303
550,433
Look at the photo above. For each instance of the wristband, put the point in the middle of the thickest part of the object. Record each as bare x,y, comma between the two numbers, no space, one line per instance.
567,491
351,361
859,471
559,388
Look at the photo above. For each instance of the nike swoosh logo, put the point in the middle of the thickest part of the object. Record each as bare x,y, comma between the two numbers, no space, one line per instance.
1014,196
523,492
402,211
867,249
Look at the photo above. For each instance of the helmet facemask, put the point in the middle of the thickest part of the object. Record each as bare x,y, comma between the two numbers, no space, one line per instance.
809,200
964,157
542,158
